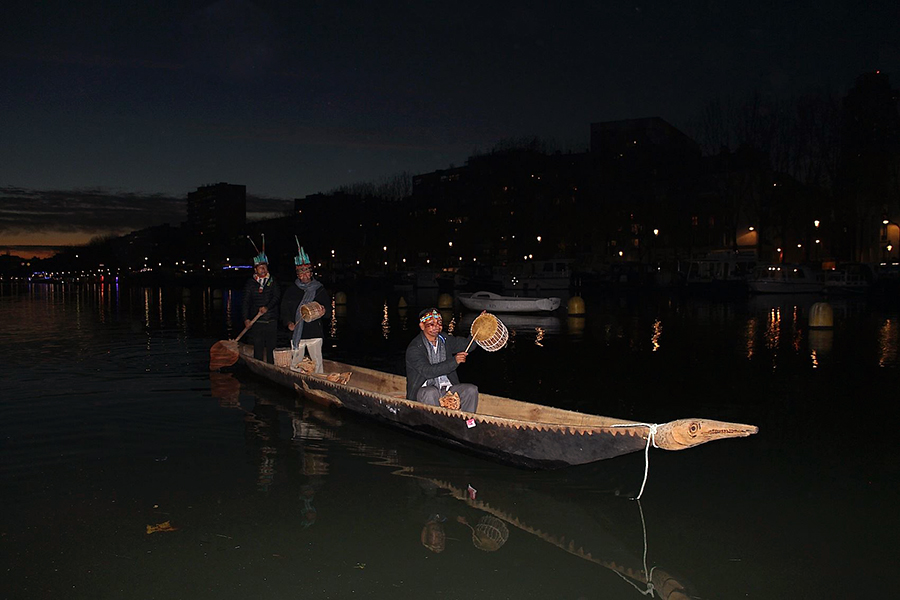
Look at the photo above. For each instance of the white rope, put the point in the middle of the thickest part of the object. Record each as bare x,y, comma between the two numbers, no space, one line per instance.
651,439
648,574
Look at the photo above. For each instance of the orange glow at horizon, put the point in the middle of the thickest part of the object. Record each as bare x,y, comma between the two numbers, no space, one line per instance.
47,239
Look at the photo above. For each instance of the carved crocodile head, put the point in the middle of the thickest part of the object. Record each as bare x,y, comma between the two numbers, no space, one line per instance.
687,433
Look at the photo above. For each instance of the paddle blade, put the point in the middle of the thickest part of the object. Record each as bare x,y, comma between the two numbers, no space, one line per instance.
222,354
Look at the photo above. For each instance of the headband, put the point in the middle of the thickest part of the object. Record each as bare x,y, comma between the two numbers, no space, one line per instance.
432,314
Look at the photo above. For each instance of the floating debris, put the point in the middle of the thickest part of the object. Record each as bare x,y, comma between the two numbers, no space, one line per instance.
165,526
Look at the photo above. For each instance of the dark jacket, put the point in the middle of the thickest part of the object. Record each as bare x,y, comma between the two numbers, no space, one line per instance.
291,300
419,369
254,299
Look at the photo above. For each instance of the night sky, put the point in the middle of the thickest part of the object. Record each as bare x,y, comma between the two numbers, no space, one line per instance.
127,108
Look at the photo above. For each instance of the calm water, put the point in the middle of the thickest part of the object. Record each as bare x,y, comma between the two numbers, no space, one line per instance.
110,422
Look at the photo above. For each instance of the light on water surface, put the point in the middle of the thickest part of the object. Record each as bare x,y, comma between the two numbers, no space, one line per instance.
111,422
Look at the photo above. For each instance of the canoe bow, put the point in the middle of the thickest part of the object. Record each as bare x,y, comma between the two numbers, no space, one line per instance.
687,433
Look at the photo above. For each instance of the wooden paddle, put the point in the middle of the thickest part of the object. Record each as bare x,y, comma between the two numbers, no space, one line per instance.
224,353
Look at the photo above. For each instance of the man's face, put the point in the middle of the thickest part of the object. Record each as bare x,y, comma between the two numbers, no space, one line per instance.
304,273
432,327
261,270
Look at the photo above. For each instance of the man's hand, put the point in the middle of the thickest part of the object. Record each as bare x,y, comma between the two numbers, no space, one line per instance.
291,326
247,322
461,357
262,310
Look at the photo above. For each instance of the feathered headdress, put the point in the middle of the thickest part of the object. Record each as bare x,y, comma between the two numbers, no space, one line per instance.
260,258
302,257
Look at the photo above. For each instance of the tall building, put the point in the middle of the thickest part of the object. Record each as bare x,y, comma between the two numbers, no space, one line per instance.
217,212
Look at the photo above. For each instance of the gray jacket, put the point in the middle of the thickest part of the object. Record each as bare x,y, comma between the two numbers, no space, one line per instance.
419,369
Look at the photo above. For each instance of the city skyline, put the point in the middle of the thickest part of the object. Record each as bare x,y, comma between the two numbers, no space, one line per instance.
125,110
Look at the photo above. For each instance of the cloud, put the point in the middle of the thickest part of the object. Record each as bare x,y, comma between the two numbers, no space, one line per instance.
102,211
85,210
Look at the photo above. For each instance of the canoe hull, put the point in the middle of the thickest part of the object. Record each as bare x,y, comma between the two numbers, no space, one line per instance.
518,443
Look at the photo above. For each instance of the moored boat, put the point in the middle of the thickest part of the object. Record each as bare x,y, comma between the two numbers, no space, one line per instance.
784,279
721,273
848,278
510,431
507,304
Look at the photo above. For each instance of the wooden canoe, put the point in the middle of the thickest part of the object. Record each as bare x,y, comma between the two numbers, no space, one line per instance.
511,431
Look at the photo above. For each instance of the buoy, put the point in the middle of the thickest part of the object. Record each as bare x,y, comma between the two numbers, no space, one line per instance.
821,340
821,316
402,303
340,298
445,301
575,324
576,305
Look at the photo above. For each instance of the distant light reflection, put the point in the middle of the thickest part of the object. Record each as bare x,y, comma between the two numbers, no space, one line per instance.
657,333
773,329
773,334
146,308
385,322
814,357
750,332
887,343
540,336
229,307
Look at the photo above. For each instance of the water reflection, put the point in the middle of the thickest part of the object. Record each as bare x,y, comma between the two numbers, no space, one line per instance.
887,342
448,507
385,322
750,336
657,333
524,323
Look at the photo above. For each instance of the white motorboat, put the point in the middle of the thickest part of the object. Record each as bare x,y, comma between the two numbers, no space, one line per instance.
507,304
784,279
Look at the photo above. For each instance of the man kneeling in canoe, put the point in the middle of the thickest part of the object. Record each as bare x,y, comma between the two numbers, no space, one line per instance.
431,363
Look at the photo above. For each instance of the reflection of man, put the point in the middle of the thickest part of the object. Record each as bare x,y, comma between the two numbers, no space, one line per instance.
431,363
433,536
261,295
306,291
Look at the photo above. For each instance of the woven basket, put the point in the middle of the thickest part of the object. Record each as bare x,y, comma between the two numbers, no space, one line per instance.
311,311
282,357
489,332
490,534
450,400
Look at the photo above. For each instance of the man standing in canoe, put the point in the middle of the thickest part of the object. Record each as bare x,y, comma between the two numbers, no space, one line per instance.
431,363
306,306
261,295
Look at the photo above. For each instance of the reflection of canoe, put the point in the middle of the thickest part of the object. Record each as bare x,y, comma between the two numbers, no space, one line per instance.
548,323
507,304
511,431
543,510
